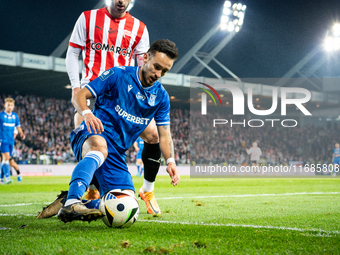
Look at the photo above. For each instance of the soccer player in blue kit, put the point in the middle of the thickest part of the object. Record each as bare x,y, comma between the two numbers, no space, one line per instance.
138,145
336,158
127,98
9,120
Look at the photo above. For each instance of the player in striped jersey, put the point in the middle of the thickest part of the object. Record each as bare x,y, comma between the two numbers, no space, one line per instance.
9,120
110,37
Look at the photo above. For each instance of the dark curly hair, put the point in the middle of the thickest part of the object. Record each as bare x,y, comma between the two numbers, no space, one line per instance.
165,46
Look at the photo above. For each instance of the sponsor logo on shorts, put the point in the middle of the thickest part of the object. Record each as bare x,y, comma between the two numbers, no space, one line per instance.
78,129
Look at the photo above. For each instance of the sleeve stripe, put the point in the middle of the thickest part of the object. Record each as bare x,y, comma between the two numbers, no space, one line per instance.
75,45
163,123
92,91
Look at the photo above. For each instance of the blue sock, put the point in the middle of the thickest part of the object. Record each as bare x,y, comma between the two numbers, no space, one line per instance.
92,204
5,169
1,172
138,168
141,170
83,174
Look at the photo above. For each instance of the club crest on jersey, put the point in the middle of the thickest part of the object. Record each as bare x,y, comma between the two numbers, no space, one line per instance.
140,96
152,99
106,74
129,88
127,33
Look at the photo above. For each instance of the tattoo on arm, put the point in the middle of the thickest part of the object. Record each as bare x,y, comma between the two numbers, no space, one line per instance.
171,144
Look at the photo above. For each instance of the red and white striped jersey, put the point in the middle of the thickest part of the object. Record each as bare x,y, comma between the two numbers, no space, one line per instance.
107,42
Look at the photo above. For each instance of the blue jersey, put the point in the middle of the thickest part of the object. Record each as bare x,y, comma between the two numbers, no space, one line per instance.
8,123
125,107
336,153
140,143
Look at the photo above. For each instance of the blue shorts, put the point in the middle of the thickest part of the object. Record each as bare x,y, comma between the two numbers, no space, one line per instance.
336,161
113,173
7,147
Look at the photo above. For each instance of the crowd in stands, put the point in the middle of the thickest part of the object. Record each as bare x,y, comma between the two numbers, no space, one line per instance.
48,122
279,145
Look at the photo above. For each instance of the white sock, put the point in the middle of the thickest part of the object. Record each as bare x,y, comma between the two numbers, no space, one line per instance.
148,186
71,202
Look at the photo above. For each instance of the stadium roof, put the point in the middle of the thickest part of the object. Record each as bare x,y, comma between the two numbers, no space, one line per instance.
274,37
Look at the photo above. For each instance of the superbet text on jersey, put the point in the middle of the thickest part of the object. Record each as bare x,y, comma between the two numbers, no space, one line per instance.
107,42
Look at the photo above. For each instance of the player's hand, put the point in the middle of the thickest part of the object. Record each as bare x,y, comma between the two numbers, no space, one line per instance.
22,136
93,122
174,174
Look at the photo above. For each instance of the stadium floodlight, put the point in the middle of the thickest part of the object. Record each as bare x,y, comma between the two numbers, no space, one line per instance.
332,41
108,3
232,17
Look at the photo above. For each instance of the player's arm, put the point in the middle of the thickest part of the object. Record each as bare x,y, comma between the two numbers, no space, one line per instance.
333,158
72,68
22,135
167,148
76,45
142,47
91,121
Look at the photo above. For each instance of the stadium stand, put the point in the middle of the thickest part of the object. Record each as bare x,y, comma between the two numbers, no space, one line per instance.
279,145
48,122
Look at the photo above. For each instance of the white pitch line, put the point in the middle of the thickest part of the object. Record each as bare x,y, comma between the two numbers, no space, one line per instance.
255,195
218,196
245,226
16,214
24,204
16,205
321,232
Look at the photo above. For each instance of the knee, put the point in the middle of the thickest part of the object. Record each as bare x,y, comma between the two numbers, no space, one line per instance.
150,136
95,144
102,149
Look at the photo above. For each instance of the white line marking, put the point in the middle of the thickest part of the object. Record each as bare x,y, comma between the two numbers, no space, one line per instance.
255,195
320,232
15,205
16,214
24,204
245,226
218,196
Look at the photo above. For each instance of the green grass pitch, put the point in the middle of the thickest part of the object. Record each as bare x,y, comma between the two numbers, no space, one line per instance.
199,216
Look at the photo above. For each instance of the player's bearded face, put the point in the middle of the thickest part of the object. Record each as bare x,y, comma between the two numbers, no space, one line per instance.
119,6
155,66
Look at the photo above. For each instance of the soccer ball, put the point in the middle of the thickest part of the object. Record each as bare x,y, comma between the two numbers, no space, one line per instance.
120,209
